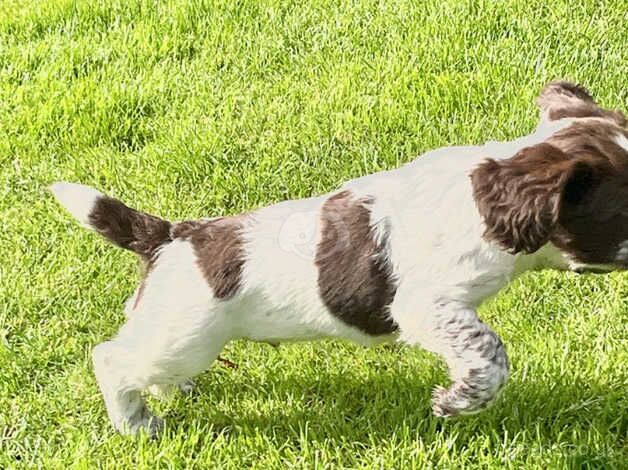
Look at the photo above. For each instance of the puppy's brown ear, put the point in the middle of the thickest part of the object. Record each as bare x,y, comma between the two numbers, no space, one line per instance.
520,198
562,99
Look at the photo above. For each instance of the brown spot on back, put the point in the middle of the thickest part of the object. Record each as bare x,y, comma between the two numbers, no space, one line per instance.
219,247
355,281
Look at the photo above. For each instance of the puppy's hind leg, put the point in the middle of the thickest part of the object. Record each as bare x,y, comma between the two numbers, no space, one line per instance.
114,370
158,391
175,333
166,356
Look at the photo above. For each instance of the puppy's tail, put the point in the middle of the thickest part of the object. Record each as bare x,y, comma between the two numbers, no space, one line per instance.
125,227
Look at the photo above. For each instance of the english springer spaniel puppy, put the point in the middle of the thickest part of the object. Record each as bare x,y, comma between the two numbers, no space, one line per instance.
403,255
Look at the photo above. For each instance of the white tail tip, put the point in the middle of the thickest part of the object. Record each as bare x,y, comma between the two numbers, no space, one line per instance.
78,199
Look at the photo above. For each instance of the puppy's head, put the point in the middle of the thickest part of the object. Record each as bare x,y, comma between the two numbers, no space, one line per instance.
571,190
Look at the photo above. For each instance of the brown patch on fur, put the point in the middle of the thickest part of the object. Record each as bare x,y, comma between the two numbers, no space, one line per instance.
128,228
592,229
131,229
571,190
587,111
185,228
217,243
562,99
520,198
562,92
593,138
355,282
219,247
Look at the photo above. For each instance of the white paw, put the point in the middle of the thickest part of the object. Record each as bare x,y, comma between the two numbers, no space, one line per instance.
142,421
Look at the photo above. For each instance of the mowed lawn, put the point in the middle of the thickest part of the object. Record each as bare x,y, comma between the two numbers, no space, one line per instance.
189,109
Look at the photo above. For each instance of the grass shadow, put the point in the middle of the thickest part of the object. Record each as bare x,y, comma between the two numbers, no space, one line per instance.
580,422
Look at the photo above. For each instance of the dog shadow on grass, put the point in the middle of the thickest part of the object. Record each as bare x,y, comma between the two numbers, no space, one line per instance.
377,404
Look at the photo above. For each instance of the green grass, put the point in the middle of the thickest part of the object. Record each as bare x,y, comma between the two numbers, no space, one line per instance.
193,109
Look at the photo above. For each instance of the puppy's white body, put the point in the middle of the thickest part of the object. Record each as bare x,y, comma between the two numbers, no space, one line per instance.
436,248
442,265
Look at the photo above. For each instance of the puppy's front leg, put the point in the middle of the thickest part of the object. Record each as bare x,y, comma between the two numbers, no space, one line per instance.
477,361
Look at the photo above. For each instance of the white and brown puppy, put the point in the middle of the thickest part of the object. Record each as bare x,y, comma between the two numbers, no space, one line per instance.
403,255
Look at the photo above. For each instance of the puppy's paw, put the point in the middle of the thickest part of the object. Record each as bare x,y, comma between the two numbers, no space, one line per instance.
153,426
142,421
442,403
456,400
